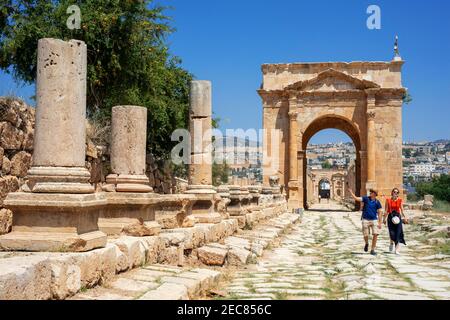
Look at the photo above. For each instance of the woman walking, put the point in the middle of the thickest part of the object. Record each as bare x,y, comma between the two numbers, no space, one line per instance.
395,217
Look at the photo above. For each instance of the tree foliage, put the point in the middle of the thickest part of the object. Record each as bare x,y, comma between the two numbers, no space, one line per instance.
128,58
220,173
439,187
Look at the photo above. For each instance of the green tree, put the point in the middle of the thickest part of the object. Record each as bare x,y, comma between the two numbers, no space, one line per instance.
220,173
128,57
326,165
439,187
407,153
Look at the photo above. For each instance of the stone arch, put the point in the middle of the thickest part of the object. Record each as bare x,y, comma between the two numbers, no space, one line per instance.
331,121
362,99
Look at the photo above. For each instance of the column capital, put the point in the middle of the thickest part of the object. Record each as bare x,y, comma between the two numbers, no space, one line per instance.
363,154
293,115
371,114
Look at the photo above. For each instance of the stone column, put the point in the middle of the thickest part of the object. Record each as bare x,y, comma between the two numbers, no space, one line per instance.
200,168
301,158
128,149
371,151
59,211
60,131
293,166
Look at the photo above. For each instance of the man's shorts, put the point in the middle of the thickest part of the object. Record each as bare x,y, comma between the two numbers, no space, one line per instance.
370,226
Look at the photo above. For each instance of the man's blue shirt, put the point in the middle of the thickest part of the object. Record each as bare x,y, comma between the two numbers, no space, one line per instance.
371,207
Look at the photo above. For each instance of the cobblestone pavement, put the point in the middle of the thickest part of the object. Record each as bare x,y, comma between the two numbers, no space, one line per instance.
323,258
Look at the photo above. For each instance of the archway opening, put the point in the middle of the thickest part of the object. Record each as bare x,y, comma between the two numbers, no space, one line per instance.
332,161
324,189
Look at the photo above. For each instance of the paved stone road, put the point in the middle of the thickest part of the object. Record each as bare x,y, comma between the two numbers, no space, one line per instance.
323,258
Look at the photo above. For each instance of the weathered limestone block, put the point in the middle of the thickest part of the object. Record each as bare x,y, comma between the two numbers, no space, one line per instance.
172,255
238,256
66,280
212,256
142,229
5,221
25,278
6,166
8,184
28,139
128,149
167,291
11,138
174,211
133,249
20,163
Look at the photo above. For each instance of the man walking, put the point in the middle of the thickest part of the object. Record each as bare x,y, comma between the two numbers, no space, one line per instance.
371,218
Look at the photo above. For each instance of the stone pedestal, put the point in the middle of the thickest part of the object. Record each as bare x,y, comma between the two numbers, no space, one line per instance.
54,222
235,208
58,213
132,214
128,150
200,168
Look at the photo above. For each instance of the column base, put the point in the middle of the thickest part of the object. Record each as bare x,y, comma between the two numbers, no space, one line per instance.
203,206
129,183
70,180
54,222
201,189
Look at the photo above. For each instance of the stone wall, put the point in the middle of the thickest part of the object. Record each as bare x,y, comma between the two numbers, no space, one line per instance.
16,146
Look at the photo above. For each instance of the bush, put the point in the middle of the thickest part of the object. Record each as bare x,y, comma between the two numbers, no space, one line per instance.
439,187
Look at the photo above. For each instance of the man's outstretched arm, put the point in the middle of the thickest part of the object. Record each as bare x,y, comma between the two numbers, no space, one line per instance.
359,199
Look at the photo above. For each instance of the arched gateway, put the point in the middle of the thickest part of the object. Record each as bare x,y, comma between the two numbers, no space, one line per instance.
363,99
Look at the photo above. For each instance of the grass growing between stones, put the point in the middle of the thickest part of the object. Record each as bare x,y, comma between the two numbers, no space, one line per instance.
334,289
443,248
281,295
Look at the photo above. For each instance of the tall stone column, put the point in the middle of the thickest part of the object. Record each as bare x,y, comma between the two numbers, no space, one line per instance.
128,149
371,151
293,202
200,168
301,160
58,212
60,131
371,140
200,124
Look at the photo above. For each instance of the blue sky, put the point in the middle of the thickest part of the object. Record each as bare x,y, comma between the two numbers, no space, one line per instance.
227,41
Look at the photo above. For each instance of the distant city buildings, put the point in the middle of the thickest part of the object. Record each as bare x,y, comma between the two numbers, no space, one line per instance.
422,161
